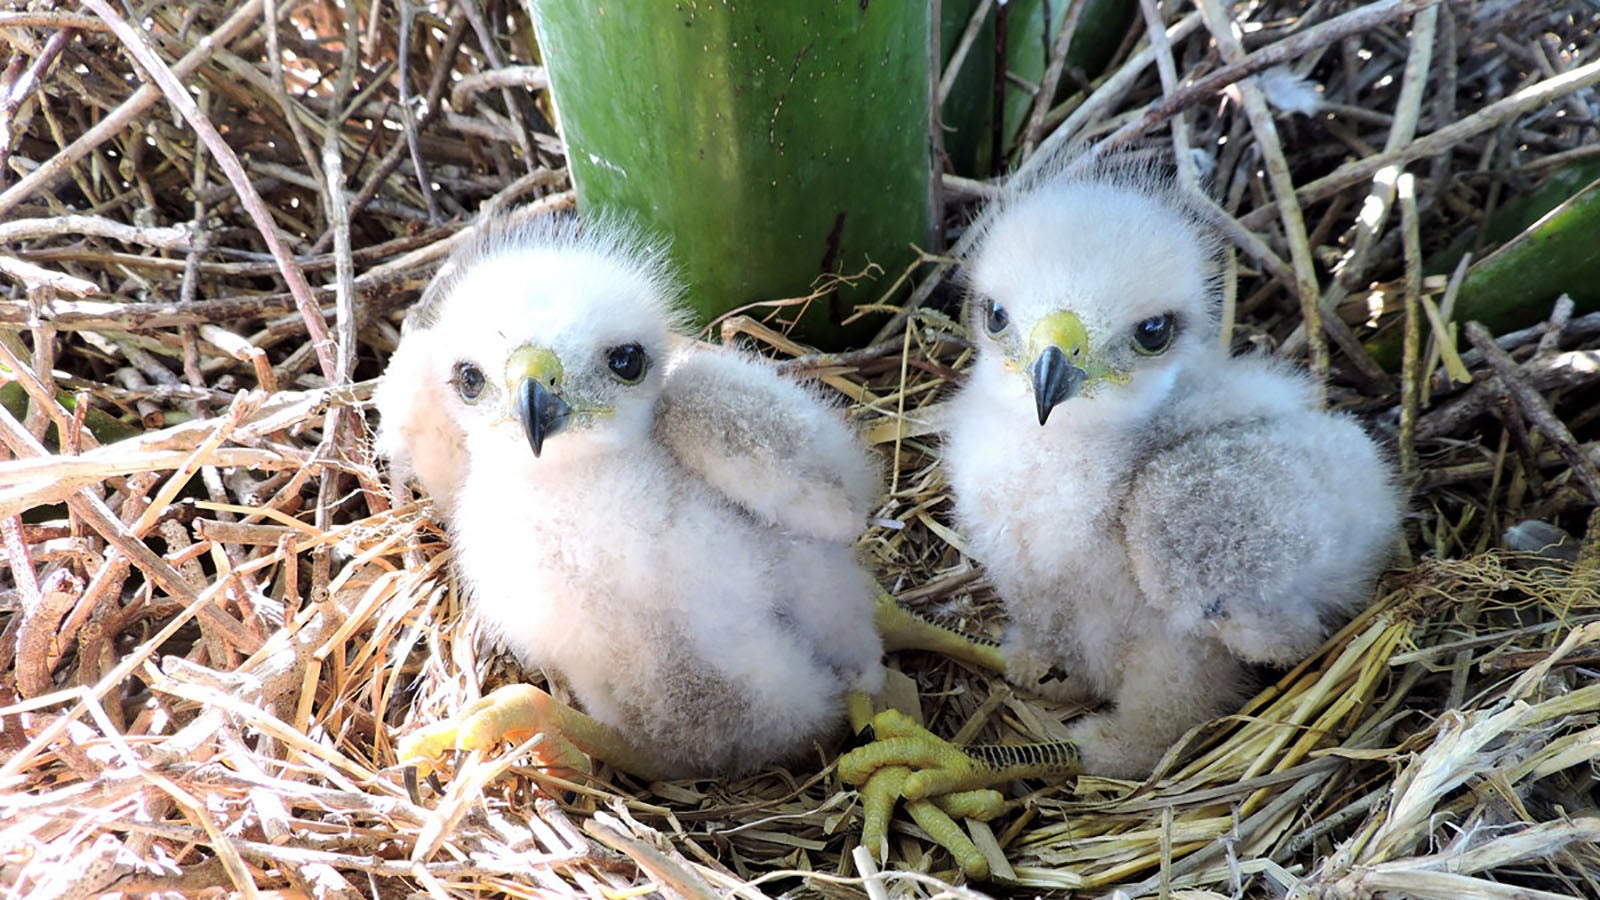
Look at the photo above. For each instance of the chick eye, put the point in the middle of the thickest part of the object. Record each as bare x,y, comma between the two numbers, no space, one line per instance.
995,318
627,362
1153,336
469,381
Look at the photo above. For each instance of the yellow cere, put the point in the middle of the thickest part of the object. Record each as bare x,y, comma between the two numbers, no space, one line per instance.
1060,329
539,363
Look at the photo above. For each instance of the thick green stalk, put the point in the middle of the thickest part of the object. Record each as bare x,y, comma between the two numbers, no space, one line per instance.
774,142
1553,252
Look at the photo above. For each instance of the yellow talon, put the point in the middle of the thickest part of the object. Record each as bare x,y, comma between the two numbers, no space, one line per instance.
879,794
982,805
899,741
512,713
941,782
946,833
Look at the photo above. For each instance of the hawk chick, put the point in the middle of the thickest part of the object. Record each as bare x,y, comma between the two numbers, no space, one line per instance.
666,525
1154,513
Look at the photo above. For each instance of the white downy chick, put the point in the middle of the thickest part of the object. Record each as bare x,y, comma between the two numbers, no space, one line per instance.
1154,513
667,526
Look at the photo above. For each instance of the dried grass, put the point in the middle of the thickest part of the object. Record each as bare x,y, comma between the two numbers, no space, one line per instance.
213,630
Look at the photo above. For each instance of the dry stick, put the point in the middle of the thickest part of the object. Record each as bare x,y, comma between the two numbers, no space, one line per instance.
344,292
38,276
1410,363
1534,407
157,71
397,151
43,397
1362,18
408,117
175,237
1242,237
188,284
1491,116
39,19
279,90
344,318
528,78
1167,69
44,364
1403,130
26,83
491,53
1380,199
1560,318
1565,371
1105,94
130,110
1294,226
947,79
1052,74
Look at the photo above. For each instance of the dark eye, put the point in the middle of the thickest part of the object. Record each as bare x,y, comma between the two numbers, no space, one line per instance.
469,381
627,362
995,317
1153,336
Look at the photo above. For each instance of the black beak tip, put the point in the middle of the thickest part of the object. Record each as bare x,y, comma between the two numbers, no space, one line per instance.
542,412
1054,380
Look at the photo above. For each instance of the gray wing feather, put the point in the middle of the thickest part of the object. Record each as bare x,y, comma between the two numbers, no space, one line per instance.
1264,532
768,444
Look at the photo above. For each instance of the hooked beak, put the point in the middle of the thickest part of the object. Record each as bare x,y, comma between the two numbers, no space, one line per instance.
533,374
1054,380
1061,342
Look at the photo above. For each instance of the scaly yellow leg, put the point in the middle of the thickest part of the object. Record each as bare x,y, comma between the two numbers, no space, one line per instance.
903,629
940,767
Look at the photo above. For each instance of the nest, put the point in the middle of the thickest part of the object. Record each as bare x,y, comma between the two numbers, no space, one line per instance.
217,615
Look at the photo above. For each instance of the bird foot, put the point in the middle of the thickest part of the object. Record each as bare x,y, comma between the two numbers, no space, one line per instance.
940,781
906,761
512,713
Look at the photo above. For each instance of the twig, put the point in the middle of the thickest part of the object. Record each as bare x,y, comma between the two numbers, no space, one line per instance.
40,277
1052,75
1167,70
130,110
408,117
168,82
1053,149
1362,18
1294,227
1411,370
1491,116
958,56
527,78
1534,407
175,237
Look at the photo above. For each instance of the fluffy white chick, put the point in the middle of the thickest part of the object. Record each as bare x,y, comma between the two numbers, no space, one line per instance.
1154,513
666,525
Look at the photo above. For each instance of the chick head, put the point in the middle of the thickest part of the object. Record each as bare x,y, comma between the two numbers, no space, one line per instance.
550,339
1096,290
